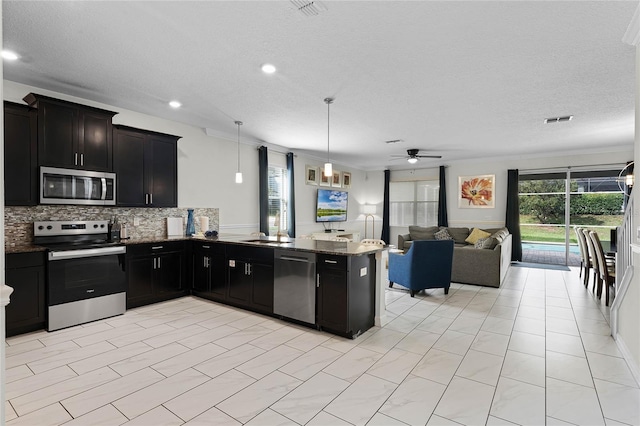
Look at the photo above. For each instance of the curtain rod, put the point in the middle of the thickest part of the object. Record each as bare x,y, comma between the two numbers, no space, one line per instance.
594,167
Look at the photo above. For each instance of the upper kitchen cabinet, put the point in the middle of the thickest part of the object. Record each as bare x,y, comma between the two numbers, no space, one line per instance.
146,166
71,135
20,155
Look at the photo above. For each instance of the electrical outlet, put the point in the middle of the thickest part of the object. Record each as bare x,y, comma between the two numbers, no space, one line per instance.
136,221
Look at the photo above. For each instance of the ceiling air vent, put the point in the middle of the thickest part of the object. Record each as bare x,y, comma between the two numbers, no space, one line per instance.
394,141
309,8
558,119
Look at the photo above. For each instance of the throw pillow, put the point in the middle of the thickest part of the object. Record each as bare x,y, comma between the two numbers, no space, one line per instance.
443,234
475,235
486,243
458,234
422,232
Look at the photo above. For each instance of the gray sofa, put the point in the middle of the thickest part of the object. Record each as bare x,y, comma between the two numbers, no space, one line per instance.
480,266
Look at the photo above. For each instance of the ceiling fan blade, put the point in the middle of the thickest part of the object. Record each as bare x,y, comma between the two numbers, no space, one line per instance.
429,156
399,156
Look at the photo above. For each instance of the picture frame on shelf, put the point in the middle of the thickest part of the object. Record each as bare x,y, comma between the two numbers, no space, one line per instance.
311,173
322,179
346,179
476,192
336,182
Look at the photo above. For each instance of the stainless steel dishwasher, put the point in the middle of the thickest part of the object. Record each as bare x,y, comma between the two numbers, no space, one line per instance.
294,291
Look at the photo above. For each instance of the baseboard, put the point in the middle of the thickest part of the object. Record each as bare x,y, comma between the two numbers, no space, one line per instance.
626,354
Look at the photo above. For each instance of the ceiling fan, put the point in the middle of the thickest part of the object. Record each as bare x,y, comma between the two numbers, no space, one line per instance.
413,156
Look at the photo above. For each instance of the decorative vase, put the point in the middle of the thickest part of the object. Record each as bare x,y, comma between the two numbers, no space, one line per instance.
191,227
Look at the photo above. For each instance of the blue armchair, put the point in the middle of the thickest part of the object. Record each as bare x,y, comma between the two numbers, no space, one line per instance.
427,264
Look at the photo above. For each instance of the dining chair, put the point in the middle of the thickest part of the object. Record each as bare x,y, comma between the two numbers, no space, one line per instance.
594,261
585,259
606,269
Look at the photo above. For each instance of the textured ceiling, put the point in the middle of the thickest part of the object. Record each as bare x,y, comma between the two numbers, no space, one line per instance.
458,79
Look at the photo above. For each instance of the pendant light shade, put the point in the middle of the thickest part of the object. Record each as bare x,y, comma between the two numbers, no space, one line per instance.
328,167
238,172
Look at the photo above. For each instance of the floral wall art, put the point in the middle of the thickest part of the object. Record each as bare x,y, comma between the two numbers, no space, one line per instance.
476,192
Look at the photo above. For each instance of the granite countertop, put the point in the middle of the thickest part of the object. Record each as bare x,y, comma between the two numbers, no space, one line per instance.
22,248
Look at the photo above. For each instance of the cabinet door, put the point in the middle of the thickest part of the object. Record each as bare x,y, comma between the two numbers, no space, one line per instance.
140,274
201,272
240,282
262,286
161,170
169,270
26,311
128,164
217,274
332,309
57,135
20,156
95,141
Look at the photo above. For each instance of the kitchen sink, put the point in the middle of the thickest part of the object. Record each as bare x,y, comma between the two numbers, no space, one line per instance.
269,242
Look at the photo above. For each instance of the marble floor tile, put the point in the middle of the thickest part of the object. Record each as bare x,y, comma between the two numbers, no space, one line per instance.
109,357
498,325
106,393
395,365
563,326
158,393
324,419
353,364
519,402
527,343
198,400
103,416
481,367
404,324
559,302
311,397
619,402
528,325
146,359
435,324
508,301
250,401
20,348
51,415
497,421
308,340
420,310
40,354
467,325
242,337
600,344
569,368
271,418
532,312
448,311
466,402
269,361
173,336
310,363
435,420
102,336
382,341
360,401
537,302
611,369
564,343
145,333
188,359
573,403
438,366
68,334
213,416
559,312
17,373
418,341
454,342
9,413
158,416
52,394
276,338
381,420
413,401
506,312
595,327
524,367
491,343
69,357
208,336
39,381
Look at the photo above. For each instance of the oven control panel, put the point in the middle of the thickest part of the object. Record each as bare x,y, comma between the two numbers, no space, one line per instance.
70,227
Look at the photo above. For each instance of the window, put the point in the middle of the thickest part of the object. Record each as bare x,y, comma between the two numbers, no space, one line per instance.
414,203
278,199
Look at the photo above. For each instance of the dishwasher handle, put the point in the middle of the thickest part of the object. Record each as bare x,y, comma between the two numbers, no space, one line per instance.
295,259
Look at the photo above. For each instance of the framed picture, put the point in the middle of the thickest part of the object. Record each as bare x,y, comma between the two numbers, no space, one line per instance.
346,179
337,179
476,192
311,175
322,179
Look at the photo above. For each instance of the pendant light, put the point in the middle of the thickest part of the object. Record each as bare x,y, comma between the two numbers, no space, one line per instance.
328,167
238,173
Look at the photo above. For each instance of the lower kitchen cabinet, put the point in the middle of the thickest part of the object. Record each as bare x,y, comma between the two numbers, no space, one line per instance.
345,293
250,277
25,273
209,271
155,272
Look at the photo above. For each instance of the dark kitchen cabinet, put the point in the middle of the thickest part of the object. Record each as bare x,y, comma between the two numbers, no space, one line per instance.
20,155
25,273
155,272
250,277
209,272
345,293
71,135
146,166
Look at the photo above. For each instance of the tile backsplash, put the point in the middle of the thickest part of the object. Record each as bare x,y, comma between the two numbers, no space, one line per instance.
18,221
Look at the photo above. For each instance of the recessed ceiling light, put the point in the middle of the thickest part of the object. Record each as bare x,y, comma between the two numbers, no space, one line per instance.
268,69
9,55
175,104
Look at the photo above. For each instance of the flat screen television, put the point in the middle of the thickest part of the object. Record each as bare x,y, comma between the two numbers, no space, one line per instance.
331,206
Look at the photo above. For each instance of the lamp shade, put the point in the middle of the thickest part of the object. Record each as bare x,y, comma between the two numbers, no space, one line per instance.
369,209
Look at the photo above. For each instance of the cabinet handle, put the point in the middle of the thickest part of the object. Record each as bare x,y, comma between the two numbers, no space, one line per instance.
150,198
159,265
208,262
317,280
250,268
330,261
206,247
75,159
146,199
154,263
82,159
204,262
156,247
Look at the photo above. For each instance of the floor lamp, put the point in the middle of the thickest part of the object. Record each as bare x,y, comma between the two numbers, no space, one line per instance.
369,211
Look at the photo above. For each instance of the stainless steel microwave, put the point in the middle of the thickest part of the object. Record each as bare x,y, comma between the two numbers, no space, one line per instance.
69,186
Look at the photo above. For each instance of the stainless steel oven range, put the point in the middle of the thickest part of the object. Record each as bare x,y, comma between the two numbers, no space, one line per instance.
86,278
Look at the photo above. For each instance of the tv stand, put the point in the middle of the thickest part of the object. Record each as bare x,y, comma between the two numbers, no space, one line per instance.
353,236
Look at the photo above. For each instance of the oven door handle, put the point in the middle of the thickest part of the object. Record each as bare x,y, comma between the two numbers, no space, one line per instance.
76,254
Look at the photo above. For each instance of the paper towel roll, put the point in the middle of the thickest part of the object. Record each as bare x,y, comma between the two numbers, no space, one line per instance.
204,223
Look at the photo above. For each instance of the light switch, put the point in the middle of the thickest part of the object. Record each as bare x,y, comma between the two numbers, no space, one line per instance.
136,221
